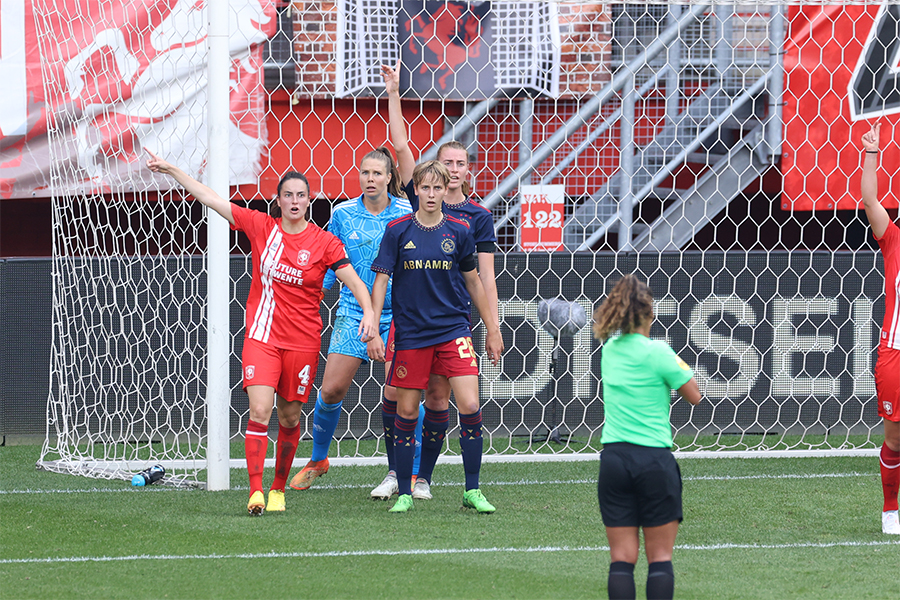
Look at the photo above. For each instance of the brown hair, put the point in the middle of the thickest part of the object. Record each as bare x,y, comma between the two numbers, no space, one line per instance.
431,167
628,306
394,186
454,145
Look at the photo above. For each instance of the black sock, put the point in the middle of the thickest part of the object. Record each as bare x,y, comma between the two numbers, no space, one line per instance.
472,446
660,581
620,583
434,431
388,414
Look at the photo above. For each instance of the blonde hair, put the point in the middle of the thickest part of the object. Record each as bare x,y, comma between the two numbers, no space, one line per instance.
433,168
454,145
628,306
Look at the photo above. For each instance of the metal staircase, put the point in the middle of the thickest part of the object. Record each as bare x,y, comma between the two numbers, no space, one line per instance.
719,130
729,131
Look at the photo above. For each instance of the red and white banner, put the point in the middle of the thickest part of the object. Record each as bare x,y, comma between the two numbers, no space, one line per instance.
841,74
541,227
117,77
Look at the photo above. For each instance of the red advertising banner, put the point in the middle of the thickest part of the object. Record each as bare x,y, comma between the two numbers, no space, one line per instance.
117,77
841,74
541,227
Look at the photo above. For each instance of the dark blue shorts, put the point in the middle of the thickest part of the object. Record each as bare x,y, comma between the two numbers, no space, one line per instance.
638,486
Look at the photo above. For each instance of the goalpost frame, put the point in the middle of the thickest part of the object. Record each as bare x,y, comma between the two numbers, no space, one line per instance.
218,391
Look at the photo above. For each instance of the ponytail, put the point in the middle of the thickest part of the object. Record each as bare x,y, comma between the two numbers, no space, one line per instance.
394,186
628,306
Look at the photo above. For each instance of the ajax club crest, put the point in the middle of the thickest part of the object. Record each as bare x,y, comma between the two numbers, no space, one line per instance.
448,246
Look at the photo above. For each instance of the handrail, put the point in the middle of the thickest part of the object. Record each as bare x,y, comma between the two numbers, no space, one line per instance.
603,127
581,118
668,168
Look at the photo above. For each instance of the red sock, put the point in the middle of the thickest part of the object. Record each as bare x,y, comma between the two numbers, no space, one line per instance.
256,443
890,477
285,449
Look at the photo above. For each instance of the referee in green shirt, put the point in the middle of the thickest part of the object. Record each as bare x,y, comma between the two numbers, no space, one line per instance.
640,483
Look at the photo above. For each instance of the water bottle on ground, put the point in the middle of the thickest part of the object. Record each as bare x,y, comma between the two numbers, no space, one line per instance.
148,476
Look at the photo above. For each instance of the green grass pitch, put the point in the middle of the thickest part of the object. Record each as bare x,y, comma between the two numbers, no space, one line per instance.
754,528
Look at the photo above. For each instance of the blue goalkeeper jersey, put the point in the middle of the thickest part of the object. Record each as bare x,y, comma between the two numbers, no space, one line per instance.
480,221
425,262
361,233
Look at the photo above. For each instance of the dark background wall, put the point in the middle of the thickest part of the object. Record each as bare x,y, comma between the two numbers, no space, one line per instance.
764,331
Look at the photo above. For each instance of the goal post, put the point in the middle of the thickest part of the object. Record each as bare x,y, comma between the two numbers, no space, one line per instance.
704,147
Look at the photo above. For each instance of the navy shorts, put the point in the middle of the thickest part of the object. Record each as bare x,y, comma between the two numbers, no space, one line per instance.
638,486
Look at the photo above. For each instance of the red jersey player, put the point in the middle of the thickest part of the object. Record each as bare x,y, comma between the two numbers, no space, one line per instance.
283,328
887,369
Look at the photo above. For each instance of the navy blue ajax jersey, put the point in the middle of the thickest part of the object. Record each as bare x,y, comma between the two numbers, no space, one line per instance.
424,263
479,219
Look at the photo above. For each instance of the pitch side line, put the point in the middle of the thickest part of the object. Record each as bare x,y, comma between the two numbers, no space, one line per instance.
358,486
424,552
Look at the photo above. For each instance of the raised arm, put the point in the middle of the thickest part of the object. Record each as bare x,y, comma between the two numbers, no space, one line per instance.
493,341
200,192
406,164
876,213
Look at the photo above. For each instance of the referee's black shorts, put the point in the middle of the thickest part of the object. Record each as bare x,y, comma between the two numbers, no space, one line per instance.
638,486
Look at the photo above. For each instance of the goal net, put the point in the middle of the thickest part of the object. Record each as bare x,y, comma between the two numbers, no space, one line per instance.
712,149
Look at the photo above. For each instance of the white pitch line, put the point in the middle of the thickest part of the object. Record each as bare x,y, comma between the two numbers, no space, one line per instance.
357,486
424,552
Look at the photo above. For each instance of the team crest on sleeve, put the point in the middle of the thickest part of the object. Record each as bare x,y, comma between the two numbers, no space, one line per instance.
448,245
681,363
303,258
250,371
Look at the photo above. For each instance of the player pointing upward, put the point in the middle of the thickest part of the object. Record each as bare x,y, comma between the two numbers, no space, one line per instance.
887,369
459,204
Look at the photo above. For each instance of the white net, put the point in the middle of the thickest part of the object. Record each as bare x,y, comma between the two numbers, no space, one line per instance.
712,149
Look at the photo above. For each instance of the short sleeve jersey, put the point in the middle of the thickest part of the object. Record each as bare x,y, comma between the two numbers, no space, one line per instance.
361,233
890,248
479,219
288,270
638,376
424,262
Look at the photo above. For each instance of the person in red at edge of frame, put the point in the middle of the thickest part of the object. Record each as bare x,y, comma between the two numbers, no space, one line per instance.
887,368
283,327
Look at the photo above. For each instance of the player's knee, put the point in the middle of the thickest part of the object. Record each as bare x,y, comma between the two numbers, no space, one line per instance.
332,394
468,406
289,421
260,414
892,435
438,404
